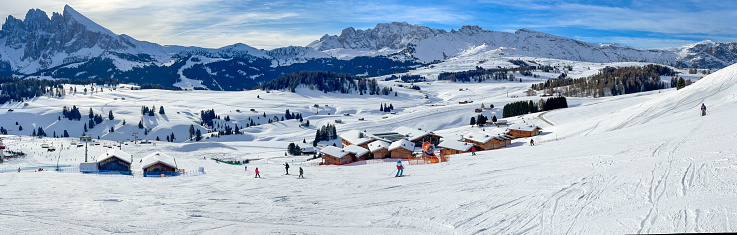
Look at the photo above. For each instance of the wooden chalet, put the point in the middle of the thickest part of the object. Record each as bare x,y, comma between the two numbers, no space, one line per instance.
451,147
379,149
401,149
359,153
484,141
522,131
335,156
356,137
157,164
418,136
114,160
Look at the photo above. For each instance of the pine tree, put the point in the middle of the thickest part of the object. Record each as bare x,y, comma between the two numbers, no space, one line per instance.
191,131
85,127
198,135
91,115
161,110
493,119
110,115
473,121
112,129
681,83
20,128
381,108
140,124
66,134
123,122
157,138
34,132
391,107
172,137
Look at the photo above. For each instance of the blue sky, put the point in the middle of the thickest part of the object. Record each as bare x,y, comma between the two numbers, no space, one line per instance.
276,23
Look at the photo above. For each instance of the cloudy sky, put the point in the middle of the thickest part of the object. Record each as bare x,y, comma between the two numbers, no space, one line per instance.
276,23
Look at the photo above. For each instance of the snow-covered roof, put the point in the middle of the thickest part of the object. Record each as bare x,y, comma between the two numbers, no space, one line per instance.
403,143
334,151
356,137
308,149
115,153
479,136
523,127
378,145
157,157
455,145
411,134
356,150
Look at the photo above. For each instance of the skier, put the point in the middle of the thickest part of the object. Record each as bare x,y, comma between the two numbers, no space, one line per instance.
18,169
286,167
246,169
400,168
257,175
532,142
703,109
301,172
473,151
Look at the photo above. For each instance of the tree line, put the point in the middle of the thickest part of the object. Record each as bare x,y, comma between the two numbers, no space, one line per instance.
525,107
610,81
325,82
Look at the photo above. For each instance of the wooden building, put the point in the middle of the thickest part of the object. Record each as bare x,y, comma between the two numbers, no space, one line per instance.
157,164
418,136
484,141
356,137
114,160
451,147
401,149
359,153
335,156
379,149
522,131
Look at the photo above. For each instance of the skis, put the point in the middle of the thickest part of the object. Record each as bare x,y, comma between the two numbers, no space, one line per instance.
402,175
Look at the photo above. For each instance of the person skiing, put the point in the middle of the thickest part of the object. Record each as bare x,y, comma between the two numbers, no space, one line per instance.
473,151
257,175
301,172
400,168
703,109
18,169
246,168
286,167
532,142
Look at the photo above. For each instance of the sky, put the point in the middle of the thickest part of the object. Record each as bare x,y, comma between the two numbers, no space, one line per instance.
275,23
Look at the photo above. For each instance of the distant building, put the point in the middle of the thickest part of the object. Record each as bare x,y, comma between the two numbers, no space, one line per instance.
356,137
359,153
418,136
522,131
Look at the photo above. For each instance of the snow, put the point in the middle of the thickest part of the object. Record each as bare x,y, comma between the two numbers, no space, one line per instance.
455,144
91,26
355,137
638,163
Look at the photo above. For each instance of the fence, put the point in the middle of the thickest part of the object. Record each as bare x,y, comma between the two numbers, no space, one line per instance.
133,173
25,168
370,161
420,160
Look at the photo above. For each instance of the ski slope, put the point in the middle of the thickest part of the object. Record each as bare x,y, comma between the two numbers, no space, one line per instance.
640,163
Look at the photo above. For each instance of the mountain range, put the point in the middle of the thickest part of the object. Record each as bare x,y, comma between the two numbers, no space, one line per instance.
69,45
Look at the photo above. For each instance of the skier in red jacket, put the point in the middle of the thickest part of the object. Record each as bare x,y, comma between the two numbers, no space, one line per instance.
257,175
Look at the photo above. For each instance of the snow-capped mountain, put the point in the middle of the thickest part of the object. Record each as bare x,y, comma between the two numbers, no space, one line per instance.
69,45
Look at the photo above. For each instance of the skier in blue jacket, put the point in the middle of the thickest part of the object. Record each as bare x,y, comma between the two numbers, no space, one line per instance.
400,168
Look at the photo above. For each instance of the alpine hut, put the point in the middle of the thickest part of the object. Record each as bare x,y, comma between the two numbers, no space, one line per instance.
451,147
379,149
401,149
523,130
335,156
356,137
359,153
418,136
157,163
115,160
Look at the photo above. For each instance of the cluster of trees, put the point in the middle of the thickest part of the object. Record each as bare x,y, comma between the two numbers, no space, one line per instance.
150,111
157,86
71,114
325,133
610,82
294,149
325,82
3,131
481,120
290,116
695,71
196,133
14,89
385,108
477,75
207,116
679,83
40,132
525,107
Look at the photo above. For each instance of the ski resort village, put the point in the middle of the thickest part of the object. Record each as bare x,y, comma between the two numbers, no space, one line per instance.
397,129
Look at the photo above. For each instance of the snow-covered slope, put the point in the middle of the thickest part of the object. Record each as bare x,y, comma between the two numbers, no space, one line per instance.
639,163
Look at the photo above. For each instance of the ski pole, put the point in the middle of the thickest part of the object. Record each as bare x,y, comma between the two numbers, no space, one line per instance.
393,172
